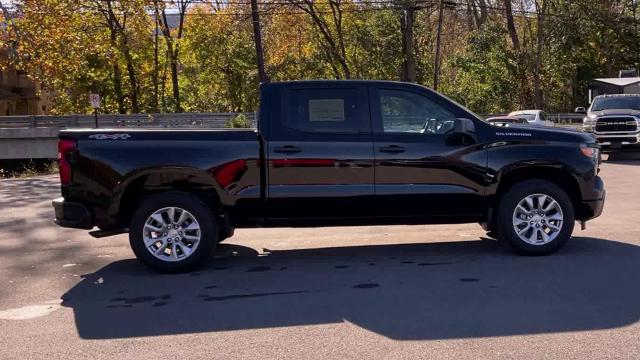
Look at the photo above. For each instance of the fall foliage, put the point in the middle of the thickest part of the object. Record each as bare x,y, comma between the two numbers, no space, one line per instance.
188,55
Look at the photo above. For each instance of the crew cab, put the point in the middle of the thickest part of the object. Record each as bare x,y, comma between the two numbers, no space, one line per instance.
328,153
613,119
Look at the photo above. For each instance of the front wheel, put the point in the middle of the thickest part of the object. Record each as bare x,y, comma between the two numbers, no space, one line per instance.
535,217
173,232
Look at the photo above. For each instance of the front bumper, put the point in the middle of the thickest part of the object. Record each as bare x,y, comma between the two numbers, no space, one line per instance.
72,214
617,139
590,209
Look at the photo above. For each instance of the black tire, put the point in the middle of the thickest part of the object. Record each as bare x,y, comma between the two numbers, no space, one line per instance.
510,199
200,211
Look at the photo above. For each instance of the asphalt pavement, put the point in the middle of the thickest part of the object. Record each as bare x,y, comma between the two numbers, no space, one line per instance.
388,292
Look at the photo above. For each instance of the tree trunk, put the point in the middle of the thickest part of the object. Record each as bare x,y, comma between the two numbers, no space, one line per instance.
133,78
483,12
172,52
470,15
409,63
436,65
174,81
163,87
257,39
117,76
511,26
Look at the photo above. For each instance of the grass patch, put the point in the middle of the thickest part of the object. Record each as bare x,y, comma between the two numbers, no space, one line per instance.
28,168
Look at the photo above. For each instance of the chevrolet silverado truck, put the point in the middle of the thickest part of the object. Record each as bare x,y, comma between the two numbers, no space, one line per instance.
614,119
328,153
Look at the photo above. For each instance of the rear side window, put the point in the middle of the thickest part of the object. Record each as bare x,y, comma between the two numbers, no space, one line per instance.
323,111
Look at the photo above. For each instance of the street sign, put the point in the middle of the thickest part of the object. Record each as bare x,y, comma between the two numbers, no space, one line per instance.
94,99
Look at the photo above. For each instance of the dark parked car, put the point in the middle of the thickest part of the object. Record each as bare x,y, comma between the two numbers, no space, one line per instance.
328,153
614,119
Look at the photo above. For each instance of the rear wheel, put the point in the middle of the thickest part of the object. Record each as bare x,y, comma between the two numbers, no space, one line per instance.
535,217
173,232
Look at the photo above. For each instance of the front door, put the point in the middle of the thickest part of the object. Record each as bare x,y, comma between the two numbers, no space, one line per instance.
420,168
320,154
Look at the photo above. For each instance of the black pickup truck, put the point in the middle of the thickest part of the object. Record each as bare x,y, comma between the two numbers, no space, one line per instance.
328,153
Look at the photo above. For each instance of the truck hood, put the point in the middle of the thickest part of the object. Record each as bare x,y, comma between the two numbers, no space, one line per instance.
543,133
594,114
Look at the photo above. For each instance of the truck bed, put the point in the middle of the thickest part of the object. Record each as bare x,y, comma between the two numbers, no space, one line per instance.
224,162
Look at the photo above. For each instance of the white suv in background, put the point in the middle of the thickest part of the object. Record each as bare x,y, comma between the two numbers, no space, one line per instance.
534,117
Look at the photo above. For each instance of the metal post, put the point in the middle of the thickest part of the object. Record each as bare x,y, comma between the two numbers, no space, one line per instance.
95,114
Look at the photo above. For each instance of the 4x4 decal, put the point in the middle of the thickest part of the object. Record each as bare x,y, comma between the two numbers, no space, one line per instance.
110,136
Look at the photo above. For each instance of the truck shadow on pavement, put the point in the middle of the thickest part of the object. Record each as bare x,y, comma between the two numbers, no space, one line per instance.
28,191
406,292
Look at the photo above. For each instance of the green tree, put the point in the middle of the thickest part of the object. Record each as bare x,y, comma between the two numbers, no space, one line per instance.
484,72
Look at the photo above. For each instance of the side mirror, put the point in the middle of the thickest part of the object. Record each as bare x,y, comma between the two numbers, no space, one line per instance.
580,110
464,126
463,133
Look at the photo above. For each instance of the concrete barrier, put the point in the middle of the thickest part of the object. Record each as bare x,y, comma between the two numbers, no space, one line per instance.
28,143
35,137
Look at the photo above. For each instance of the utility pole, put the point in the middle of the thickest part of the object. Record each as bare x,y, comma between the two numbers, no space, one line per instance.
257,37
155,64
409,63
634,9
436,65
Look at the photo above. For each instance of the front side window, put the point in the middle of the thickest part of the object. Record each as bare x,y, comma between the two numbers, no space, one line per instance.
323,111
408,112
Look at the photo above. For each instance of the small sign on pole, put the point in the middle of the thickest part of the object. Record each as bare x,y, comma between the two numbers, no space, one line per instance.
94,99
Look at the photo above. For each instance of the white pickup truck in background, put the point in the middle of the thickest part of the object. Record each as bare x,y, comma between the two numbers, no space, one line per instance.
614,120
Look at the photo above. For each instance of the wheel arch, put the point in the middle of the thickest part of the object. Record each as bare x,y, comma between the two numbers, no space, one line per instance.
554,174
193,181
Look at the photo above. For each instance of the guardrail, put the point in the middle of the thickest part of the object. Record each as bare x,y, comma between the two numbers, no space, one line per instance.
558,118
178,120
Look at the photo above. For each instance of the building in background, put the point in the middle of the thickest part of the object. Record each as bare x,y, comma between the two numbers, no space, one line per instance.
21,94
628,82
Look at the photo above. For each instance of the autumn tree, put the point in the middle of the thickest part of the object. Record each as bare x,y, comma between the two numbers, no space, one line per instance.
173,39
328,20
492,55
219,59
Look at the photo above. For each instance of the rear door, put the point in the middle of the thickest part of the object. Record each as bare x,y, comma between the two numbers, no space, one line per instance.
421,168
320,153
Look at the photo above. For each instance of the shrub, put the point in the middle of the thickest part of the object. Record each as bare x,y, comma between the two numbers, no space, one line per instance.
239,121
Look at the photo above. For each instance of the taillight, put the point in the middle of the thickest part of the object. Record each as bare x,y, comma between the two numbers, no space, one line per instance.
65,146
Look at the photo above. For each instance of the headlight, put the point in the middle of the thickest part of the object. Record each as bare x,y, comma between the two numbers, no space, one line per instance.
587,125
592,151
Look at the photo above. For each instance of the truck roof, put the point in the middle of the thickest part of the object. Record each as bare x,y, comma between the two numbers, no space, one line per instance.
329,82
617,95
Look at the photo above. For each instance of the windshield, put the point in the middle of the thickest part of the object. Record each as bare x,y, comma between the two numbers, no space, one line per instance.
502,120
618,102
528,117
